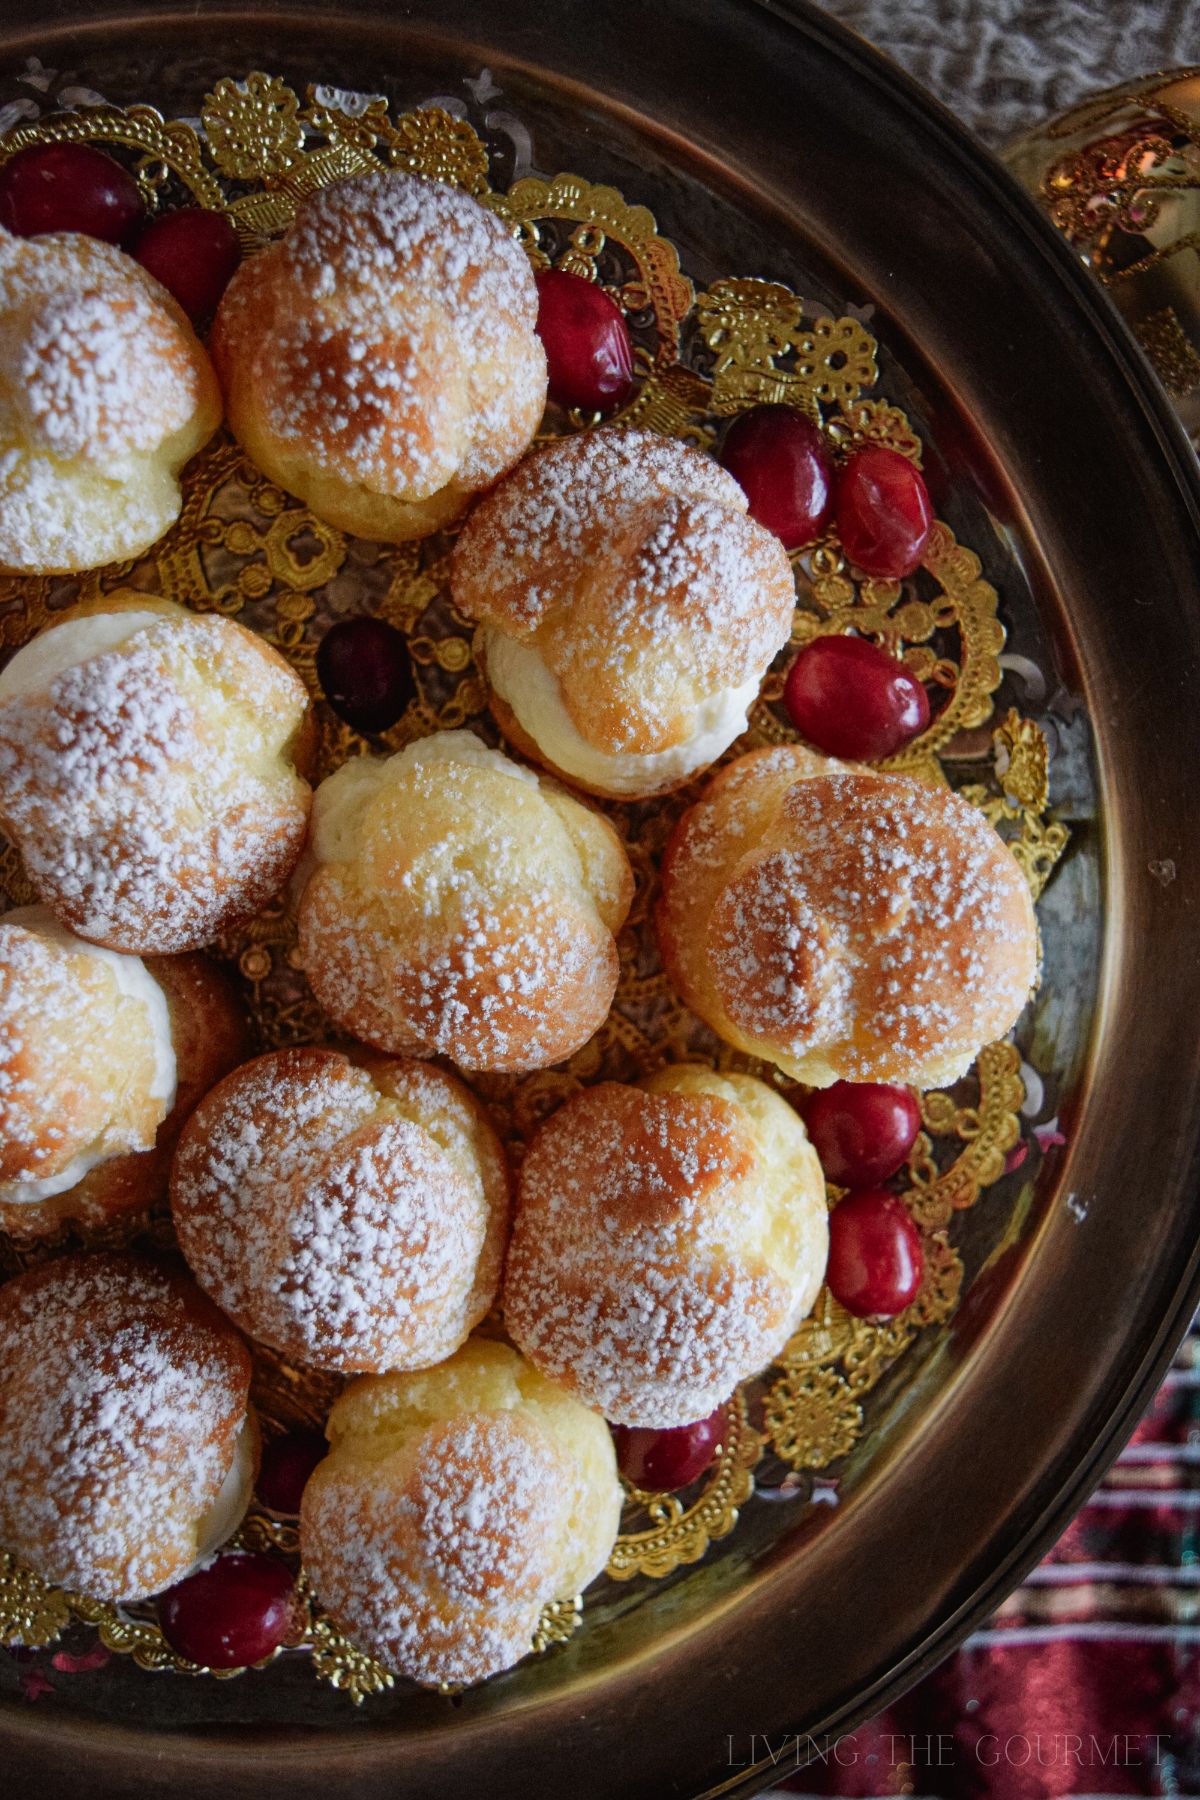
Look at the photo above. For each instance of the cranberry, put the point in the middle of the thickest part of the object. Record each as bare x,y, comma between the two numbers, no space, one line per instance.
875,1257
656,1461
365,672
851,699
779,458
231,1614
287,1463
861,1130
68,187
193,252
883,512
587,343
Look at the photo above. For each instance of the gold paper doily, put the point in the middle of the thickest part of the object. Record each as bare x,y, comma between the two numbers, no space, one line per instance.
244,548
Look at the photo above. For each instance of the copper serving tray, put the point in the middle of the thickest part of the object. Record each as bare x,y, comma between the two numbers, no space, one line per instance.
767,141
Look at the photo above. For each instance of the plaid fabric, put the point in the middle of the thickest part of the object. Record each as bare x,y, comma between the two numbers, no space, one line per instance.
1087,1679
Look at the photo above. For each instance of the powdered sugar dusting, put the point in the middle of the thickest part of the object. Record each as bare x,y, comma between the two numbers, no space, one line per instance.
627,1279
439,1559
486,1508
99,372
881,925
631,562
469,914
148,788
388,338
119,1415
328,1223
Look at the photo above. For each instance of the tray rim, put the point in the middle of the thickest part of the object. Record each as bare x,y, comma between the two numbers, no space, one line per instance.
22,1733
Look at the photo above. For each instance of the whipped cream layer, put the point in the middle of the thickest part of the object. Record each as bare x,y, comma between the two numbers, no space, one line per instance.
134,980
524,682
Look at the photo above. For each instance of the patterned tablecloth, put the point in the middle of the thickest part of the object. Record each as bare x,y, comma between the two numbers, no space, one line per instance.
1087,1680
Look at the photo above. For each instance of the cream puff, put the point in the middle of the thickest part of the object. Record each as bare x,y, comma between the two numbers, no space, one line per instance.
102,1057
128,1449
843,923
105,393
351,1214
628,608
668,1240
380,361
150,772
460,905
452,1507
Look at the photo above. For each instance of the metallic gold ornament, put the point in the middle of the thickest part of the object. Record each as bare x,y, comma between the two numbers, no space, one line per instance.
252,127
766,355
558,1621
339,1662
679,1533
1022,776
1119,175
32,1612
987,1130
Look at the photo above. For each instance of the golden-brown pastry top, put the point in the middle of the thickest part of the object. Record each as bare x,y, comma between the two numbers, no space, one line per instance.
148,772
629,606
380,360
351,1214
461,905
846,924
453,1506
102,1057
105,392
667,1241
123,1405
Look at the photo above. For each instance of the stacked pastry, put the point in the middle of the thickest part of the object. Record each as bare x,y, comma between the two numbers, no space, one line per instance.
351,1207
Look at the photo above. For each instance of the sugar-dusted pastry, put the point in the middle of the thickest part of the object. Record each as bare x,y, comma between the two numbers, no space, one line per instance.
102,1057
151,771
668,1239
460,905
128,1447
380,360
845,924
452,1507
105,393
628,608
351,1214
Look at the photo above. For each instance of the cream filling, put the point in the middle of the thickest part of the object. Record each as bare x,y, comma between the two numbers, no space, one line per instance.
65,646
342,799
228,1509
337,809
134,980
524,682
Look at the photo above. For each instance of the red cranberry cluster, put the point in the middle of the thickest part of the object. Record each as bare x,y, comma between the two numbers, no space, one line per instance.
843,694
287,1463
878,498
365,672
862,1132
73,187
